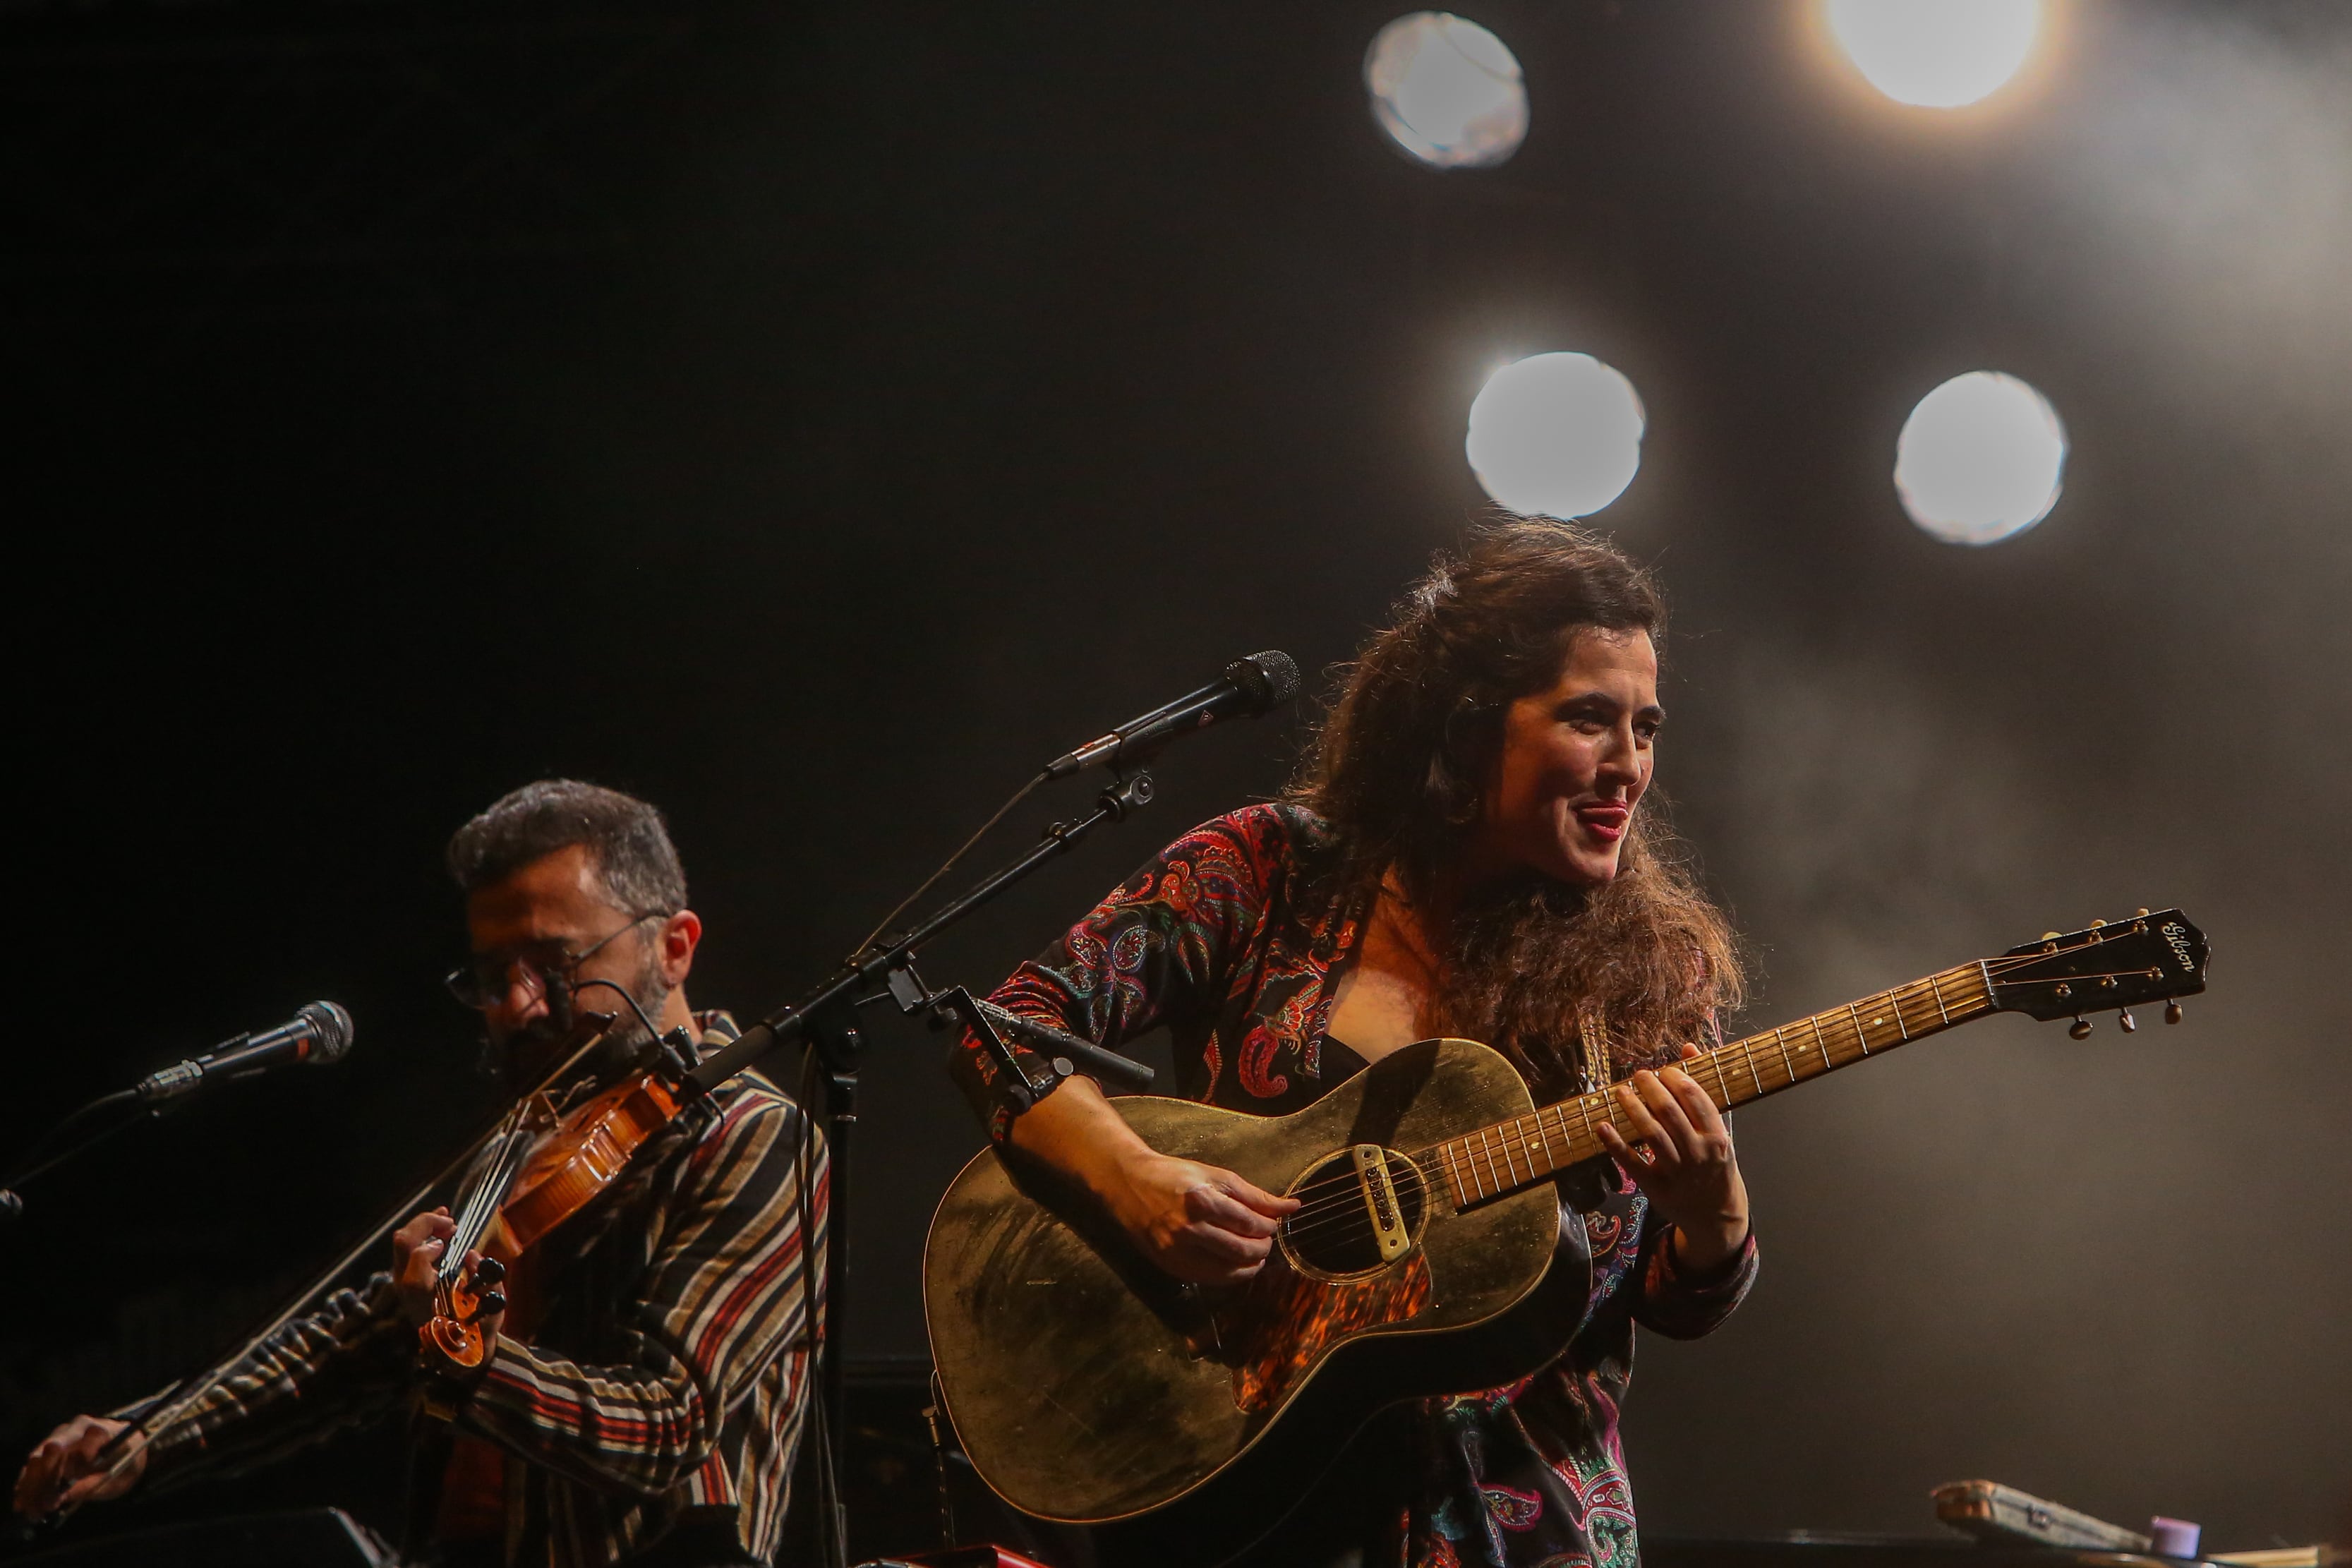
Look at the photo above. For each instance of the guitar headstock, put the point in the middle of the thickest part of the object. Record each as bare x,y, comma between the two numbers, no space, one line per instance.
2116,965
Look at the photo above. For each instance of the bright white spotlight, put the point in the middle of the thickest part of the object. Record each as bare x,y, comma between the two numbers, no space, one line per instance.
1980,459
1937,54
1447,90
1558,434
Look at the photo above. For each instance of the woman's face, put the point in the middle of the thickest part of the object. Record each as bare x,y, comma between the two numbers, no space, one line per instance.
1575,760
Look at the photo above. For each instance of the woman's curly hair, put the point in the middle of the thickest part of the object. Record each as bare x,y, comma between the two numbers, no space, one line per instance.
1400,769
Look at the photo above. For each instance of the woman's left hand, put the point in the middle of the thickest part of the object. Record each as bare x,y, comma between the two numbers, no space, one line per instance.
1678,1151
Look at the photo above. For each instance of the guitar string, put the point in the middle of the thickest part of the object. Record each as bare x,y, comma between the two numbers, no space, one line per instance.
1514,1145
1511,1142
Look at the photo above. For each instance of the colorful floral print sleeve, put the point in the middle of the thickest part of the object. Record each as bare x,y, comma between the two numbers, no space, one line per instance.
1235,938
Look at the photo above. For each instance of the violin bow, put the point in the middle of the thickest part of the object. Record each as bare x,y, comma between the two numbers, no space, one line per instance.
587,1033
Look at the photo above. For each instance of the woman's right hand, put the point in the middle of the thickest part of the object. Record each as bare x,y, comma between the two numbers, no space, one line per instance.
65,1466
1204,1225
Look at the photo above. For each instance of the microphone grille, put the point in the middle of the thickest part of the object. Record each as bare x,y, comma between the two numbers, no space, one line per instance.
1270,678
330,1031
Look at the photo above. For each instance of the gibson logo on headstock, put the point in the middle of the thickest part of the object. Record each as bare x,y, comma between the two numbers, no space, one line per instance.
2176,937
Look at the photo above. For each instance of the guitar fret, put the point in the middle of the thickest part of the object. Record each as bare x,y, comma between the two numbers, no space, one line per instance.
1511,1154
1466,1177
1859,1035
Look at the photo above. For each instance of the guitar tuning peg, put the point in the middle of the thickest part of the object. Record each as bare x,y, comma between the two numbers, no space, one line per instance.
2096,924
2172,1011
2139,913
2080,1029
2123,1015
2049,936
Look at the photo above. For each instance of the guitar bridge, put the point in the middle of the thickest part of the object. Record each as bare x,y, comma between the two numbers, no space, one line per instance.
1381,1201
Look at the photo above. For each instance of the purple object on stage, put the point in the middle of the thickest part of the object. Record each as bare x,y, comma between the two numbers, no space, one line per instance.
2172,1537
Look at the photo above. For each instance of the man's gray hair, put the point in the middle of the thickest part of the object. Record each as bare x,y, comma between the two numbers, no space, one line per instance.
626,838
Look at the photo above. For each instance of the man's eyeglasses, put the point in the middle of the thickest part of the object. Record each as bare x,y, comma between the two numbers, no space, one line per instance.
541,969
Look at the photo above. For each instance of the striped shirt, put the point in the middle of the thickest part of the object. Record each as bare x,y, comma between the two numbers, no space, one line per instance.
667,1382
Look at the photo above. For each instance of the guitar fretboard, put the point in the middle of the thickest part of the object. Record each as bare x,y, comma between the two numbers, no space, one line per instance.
1528,1149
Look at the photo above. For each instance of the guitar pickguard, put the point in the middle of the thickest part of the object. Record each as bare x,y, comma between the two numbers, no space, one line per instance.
1284,1322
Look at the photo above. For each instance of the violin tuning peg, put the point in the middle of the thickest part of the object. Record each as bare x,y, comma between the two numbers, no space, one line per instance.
488,1304
2080,1029
2122,1015
2172,1011
489,1272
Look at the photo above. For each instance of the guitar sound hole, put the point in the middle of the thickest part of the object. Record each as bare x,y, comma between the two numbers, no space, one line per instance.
1332,1234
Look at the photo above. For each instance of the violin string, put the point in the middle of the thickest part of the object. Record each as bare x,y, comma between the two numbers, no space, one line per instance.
486,1196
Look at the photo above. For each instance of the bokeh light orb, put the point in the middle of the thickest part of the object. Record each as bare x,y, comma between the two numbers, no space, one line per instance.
1556,434
1936,54
1981,459
1447,90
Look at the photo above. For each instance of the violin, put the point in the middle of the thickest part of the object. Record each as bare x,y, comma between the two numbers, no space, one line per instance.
542,1168
545,1166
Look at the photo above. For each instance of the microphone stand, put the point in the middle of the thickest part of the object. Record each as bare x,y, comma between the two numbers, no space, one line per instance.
12,1203
825,1020
158,1093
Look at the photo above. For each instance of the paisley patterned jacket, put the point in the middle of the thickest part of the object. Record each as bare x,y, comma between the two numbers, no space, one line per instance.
1235,938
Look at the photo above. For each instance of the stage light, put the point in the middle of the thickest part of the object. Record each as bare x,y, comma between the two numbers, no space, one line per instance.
1936,54
1980,459
1447,90
1556,434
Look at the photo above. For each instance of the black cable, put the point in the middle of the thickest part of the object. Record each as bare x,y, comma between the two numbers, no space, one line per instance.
622,992
950,863
103,1102
832,1522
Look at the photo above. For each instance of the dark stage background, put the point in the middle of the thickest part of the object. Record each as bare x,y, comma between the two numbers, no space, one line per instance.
813,418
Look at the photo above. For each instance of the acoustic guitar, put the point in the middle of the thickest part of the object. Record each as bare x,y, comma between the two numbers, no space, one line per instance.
1427,1256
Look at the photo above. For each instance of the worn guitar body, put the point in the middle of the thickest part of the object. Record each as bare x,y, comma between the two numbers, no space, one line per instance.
1087,1386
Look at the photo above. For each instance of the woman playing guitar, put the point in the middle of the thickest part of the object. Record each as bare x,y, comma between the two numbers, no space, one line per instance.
1468,852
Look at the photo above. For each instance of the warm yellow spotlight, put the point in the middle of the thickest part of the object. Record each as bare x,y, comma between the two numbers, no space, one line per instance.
1937,54
1981,459
1557,434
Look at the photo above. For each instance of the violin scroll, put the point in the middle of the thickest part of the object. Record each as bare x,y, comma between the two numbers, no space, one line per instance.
462,1306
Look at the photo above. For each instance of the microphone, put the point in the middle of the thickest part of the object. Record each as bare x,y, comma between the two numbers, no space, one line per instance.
320,1032
1249,687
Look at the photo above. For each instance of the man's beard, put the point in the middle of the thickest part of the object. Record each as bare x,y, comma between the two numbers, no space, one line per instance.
525,1056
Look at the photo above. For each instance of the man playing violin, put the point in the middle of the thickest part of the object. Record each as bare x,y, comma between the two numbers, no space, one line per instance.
645,1389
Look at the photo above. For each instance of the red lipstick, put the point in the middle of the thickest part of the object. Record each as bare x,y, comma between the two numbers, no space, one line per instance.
1605,820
